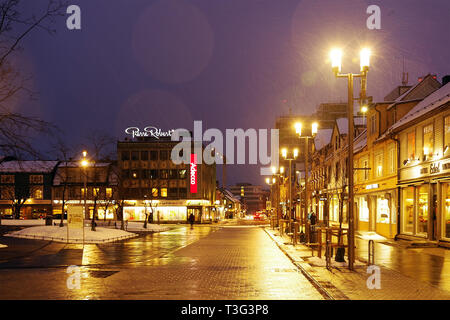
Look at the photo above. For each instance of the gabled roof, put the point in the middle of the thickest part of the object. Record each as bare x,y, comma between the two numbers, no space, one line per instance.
404,96
360,142
430,103
28,166
342,124
322,138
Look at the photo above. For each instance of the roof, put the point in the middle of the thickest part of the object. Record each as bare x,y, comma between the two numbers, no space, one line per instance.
360,141
322,138
29,166
342,124
430,103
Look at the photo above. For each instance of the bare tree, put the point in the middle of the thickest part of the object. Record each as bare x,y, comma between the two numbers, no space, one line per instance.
15,128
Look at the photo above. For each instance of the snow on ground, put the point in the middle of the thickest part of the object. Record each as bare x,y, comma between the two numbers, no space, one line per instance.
139,226
30,222
58,234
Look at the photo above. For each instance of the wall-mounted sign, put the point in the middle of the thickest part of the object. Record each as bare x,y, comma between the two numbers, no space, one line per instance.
372,186
148,132
193,173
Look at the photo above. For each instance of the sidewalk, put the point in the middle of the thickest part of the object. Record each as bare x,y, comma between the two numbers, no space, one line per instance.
342,283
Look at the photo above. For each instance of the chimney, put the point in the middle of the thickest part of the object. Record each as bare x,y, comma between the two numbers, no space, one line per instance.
445,80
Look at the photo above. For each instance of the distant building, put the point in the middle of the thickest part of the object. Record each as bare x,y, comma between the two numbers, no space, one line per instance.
26,188
149,176
253,198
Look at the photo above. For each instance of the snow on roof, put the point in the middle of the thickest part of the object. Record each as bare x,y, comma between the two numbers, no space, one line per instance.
359,121
431,102
322,138
360,141
28,166
342,124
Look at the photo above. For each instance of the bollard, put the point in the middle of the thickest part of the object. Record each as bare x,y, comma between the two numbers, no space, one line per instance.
371,253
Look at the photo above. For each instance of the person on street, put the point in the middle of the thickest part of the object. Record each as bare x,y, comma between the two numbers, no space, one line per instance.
191,219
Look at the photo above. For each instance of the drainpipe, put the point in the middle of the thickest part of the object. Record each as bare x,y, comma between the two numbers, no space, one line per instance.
398,188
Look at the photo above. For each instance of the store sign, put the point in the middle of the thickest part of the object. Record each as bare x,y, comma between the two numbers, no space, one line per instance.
148,132
372,186
193,173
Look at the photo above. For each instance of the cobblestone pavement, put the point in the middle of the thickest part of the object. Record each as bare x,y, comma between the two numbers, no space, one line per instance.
342,283
230,263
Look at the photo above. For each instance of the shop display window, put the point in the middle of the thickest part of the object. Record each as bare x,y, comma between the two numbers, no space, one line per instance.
446,209
422,209
408,209
383,210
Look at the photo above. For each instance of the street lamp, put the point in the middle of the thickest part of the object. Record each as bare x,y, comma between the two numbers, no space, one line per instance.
314,128
336,58
294,155
84,164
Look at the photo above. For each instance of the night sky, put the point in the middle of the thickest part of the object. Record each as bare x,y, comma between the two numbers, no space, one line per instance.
229,63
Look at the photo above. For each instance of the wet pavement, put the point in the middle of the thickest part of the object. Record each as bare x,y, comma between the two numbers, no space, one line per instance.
206,262
430,265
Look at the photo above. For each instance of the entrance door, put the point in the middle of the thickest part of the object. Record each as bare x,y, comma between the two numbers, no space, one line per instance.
197,211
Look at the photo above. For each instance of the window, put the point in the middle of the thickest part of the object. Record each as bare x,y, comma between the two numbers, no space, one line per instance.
144,174
363,210
182,192
154,192
7,178
7,193
153,174
163,155
446,213
447,131
173,174
173,192
391,159
379,164
82,192
411,145
135,174
144,155
408,209
182,174
164,192
108,192
428,142
422,208
164,174
125,155
96,192
38,193
135,155
153,155
365,164
36,178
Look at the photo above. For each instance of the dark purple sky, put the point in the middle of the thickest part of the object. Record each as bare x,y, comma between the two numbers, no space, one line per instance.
229,63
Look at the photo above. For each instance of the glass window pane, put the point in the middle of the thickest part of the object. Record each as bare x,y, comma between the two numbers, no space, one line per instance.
428,140
422,209
446,201
408,209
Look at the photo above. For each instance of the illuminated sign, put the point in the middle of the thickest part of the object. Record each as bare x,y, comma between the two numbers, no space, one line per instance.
372,186
193,173
148,132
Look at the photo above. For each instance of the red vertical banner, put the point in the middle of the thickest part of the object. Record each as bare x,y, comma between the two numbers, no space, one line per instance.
193,173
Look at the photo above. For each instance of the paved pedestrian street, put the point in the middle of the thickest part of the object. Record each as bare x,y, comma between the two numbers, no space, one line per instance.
206,262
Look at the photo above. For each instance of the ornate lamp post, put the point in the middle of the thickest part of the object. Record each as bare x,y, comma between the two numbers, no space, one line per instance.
293,155
336,64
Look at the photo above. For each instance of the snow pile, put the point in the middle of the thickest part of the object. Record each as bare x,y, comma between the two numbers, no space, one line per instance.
30,222
58,234
139,226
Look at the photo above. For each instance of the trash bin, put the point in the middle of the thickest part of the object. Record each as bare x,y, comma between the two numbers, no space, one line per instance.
48,221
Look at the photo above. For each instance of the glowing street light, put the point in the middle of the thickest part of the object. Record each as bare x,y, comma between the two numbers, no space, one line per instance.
364,59
336,60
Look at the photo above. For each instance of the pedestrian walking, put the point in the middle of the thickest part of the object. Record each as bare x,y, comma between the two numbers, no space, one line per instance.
191,219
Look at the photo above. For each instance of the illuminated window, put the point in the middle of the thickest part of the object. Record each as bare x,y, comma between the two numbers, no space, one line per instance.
182,174
36,178
108,192
366,172
82,192
96,192
391,159
447,131
38,193
379,164
408,209
428,140
154,192
164,192
411,145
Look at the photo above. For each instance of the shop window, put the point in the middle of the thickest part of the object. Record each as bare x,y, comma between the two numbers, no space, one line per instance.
422,209
447,132
125,155
153,155
383,210
408,209
108,192
164,192
144,155
428,140
446,213
363,210
411,145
